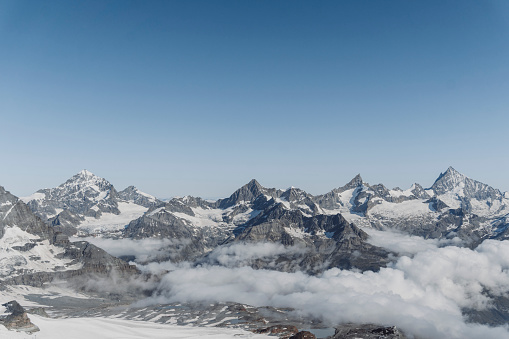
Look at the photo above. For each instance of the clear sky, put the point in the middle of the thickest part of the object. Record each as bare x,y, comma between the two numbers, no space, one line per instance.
199,97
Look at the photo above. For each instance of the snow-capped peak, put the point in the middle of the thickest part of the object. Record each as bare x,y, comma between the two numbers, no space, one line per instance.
454,183
447,181
452,175
86,173
87,178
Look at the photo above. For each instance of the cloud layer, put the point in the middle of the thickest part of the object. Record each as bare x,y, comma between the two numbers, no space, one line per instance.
423,294
143,249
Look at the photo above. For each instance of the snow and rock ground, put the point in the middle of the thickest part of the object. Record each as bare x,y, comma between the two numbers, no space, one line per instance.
92,319
98,328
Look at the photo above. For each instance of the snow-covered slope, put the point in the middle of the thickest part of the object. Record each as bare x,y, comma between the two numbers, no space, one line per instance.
89,204
31,252
22,253
106,328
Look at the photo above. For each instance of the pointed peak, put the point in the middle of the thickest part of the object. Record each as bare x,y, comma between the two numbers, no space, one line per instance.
450,175
356,181
451,170
253,183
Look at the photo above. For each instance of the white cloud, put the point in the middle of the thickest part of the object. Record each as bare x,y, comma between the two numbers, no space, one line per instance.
241,254
422,295
143,249
405,244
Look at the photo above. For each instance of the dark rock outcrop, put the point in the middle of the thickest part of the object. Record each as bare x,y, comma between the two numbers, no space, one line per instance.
18,319
367,331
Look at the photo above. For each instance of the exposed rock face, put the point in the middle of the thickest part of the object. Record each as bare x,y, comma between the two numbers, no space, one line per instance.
322,238
355,331
131,193
246,193
18,319
33,253
282,331
65,222
188,241
14,212
303,335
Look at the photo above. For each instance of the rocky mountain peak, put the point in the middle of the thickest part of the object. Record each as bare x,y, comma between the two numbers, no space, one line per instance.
248,192
454,182
355,182
138,197
78,194
294,194
419,192
253,184
448,181
450,177
87,178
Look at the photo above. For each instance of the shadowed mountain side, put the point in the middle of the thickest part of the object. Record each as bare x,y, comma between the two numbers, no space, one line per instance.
326,241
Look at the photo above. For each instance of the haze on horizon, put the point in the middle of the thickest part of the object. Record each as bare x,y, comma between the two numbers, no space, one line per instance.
198,97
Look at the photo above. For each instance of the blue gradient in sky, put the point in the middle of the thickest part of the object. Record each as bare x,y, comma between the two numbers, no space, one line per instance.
198,97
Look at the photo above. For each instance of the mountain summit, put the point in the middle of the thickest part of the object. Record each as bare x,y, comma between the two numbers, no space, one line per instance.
89,202
454,182
84,193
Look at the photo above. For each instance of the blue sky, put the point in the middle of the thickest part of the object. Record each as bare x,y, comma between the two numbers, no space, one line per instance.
198,97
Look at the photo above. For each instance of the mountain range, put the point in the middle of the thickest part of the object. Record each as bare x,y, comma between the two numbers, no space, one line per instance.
46,237
327,228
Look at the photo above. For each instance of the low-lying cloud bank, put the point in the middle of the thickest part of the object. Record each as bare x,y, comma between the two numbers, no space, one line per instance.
423,294
405,244
143,249
242,254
